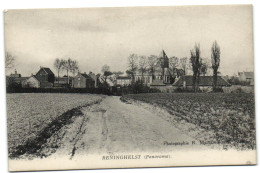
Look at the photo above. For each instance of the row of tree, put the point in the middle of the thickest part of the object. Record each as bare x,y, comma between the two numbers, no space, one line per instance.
179,66
68,65
197,64
152,63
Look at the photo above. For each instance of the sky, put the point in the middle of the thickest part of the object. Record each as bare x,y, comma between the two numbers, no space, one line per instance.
98,36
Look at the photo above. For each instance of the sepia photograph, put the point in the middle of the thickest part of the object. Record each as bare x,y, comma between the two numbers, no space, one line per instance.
129,87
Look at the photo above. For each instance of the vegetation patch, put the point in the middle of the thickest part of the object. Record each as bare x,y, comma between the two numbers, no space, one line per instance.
30,114
33,145
230,116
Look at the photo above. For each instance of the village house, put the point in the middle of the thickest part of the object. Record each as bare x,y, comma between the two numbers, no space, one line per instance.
15,78
205,82
83,80
15,74
44,78
32,82
246,77
123,80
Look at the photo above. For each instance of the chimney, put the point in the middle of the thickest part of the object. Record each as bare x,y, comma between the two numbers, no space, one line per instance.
85,73
15,72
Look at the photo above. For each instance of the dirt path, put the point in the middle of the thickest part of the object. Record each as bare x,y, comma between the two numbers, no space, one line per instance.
113,126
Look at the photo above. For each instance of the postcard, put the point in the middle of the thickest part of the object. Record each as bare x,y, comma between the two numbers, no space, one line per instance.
129,87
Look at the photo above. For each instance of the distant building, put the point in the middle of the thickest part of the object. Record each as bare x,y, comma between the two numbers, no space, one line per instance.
15,75
95,78
44,78
205,82
15,78
82,80
110,80
162,74
123,80
32,82
63,81
45,74
246,77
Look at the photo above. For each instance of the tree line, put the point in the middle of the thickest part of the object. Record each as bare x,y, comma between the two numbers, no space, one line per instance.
198,67
152,64
68,65
179,66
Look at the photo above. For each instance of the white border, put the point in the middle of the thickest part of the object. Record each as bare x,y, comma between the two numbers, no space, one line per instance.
25,4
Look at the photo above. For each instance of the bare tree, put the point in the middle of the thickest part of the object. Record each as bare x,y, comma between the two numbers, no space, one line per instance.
105,68
66,65
196,62
58,64
132,66
106,71
74,67
151,62
9,60
173,64
203,69
215,60
142,66
184,64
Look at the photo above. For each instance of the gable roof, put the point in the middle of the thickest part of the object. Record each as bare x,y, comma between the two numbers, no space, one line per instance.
86,76
47,70
35,77
92,75
204,81
249,74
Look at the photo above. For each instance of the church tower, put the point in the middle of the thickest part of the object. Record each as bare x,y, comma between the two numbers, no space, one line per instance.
164,60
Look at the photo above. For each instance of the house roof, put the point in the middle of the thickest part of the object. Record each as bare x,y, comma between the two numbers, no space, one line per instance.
47,70
204,81
157,82
85,75
92,75
249,74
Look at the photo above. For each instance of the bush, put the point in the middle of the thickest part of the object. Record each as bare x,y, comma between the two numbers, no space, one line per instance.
13,87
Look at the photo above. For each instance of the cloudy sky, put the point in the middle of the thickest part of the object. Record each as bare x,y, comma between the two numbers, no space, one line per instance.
98,36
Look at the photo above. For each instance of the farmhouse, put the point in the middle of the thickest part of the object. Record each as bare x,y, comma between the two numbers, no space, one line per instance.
15,78
32,82
123,80
205,82
82,80
46,77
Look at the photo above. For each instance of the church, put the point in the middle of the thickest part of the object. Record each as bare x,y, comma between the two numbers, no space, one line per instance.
162,76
